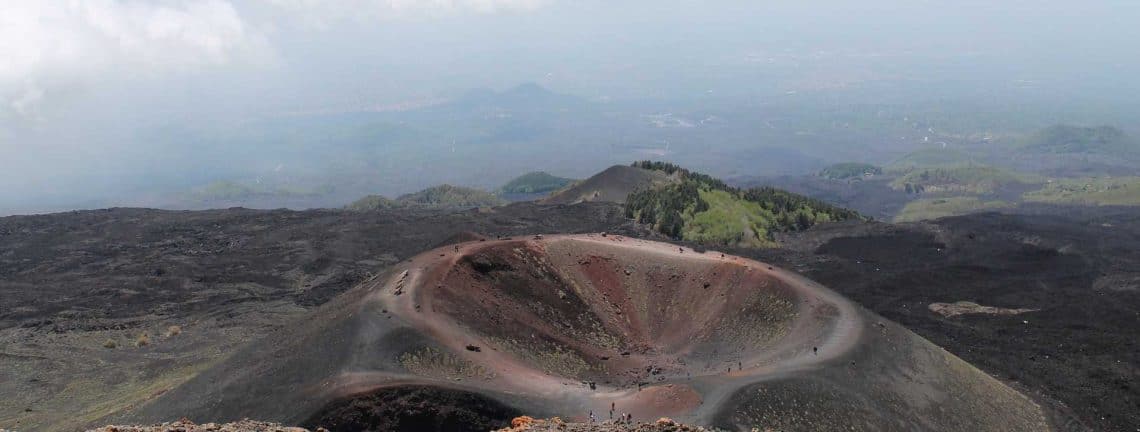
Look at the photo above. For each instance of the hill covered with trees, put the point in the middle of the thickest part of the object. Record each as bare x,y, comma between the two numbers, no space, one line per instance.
701,208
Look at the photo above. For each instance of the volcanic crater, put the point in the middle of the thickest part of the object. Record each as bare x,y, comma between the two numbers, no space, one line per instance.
568,325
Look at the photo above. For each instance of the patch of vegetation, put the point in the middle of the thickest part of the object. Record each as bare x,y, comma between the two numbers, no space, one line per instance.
934,208
974,179
372,202
930,158
1062,139
704,209
535,182
728,220
452,196
1089,191
849,171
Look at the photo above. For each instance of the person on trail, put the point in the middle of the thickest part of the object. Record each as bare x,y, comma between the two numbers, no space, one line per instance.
815,350
592,416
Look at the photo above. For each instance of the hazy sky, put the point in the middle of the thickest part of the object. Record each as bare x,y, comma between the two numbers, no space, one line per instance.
82,81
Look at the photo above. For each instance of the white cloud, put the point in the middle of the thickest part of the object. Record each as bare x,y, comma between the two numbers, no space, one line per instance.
323,13
51,47
51,44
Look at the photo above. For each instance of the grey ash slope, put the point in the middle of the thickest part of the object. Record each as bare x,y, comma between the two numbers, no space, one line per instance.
611,185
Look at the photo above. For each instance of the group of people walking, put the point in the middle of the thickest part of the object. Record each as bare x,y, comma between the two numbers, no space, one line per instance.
623,418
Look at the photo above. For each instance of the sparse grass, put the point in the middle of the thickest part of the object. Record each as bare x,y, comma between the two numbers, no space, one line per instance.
173,331
110,344
549,357
433,362
934,208
143,340
1089,191
105,400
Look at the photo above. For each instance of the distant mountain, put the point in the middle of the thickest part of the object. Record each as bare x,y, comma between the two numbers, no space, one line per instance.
612,185
535,182
437,196
521,97
1066,139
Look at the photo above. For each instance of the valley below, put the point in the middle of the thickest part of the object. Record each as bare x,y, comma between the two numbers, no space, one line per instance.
105,311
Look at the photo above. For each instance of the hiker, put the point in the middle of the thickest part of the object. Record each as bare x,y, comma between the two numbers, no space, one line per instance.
815,350
592,416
